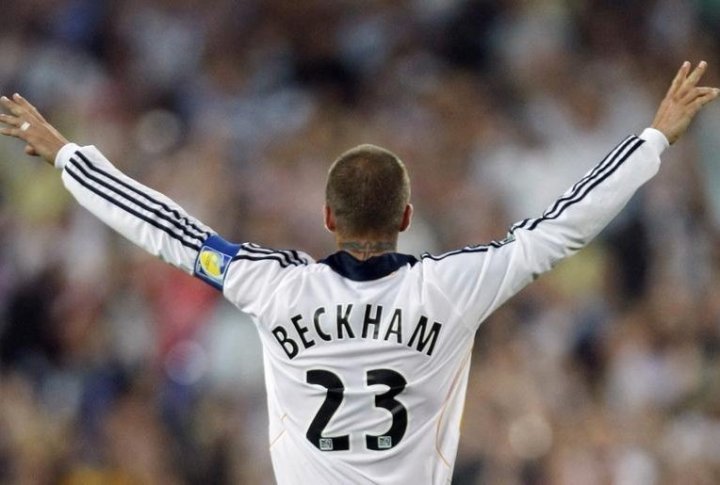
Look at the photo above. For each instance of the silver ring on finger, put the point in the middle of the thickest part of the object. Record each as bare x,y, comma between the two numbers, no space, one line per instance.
25,126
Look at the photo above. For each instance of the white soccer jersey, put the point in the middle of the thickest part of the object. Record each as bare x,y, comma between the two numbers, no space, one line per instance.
366,362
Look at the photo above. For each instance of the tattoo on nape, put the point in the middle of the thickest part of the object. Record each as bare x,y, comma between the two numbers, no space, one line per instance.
368,248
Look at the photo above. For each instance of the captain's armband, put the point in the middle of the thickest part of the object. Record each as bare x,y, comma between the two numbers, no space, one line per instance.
213,260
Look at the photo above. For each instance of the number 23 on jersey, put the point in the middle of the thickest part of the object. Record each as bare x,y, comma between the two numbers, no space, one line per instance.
334,397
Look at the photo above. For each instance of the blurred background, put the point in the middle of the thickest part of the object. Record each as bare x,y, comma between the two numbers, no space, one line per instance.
115,369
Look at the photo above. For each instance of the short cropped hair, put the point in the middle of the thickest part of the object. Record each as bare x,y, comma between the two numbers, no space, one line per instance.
367,190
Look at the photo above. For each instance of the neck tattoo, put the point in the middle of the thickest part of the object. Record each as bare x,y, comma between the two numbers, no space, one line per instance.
366,249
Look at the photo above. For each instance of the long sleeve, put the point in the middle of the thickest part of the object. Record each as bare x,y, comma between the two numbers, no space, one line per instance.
481,278
142,215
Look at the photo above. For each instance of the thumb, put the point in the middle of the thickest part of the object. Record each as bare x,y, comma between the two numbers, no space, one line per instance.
30,151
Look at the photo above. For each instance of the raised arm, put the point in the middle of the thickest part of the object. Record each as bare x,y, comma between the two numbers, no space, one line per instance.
481,278
144,216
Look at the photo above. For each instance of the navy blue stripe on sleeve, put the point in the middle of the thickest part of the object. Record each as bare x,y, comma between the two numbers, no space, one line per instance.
600,173
70,169
253,252
182,222
289,256
125,195
606,162
601,176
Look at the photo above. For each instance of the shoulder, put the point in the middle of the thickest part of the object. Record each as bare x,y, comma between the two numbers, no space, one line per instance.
219,261
471,251
284,258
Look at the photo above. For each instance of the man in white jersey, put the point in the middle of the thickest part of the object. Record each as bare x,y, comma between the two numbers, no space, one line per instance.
367,351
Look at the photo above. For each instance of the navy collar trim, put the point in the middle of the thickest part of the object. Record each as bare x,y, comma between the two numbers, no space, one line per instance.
374,268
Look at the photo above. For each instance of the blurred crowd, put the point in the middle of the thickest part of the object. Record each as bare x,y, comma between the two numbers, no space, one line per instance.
115,369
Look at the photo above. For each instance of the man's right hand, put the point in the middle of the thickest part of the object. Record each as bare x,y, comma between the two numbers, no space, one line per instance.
27,124
683,101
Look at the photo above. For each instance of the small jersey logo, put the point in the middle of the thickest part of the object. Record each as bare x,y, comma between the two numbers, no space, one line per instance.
326,444
211,264
384,442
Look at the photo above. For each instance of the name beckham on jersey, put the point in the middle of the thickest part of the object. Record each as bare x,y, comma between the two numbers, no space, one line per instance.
305,331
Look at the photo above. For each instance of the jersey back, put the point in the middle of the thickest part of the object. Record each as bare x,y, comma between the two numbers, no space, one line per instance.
365,373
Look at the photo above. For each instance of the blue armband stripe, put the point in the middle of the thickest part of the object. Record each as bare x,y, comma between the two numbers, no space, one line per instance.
213,260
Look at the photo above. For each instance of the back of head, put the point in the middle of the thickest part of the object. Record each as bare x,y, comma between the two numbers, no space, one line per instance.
367,190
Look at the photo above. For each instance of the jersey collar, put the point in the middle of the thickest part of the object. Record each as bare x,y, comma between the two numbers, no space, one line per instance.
374,268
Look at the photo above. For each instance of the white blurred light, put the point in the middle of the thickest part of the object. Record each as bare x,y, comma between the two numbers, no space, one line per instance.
186,363
530,436
635,466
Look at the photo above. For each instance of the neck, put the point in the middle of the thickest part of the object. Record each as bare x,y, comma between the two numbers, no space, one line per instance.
363,249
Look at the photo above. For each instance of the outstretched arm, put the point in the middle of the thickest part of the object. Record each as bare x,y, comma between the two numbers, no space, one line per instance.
582,212
490,274
144,216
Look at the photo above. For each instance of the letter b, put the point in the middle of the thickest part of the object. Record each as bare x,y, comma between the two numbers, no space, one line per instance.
289,345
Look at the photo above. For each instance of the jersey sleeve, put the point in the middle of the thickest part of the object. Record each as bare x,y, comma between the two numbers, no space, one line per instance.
481,278
245,273
144,216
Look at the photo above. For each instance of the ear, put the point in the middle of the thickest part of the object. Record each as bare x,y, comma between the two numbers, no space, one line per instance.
406,218
329,217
